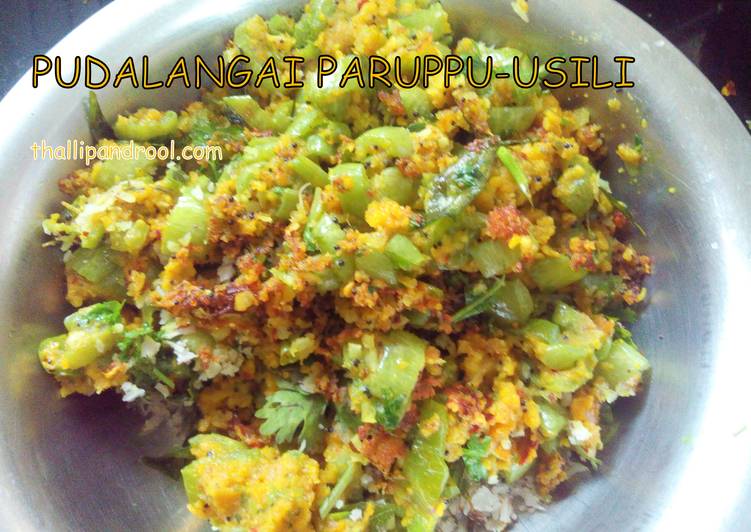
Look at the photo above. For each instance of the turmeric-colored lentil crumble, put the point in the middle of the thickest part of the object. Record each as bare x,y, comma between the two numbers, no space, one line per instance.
378,300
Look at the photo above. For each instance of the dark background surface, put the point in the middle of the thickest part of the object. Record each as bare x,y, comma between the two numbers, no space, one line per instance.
715,35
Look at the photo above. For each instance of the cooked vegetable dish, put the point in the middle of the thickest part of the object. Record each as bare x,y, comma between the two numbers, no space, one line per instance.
379,303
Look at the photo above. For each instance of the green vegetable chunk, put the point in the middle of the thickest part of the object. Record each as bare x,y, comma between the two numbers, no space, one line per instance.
356,197
281,24
187,224
130,239
330,98
552,419
493,257
549,346
313,21
288,198
392,184
112,171
378,266
102,267
570,337
260,149
256,117
384,517
391,382
512,304
577,186
322,232
340,272
508,121
425,472
433,19
146,125
309,171
568,380
517,471
503,59
92,333
416,101
404,254
394,141
622,368
307,118
553,273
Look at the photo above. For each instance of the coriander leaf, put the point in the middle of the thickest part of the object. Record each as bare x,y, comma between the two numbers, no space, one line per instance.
390,410
145,371
204,130
130,344
107,313
624,334
472,454
290,409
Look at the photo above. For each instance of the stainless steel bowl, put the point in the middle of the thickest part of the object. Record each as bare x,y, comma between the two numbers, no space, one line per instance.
682,460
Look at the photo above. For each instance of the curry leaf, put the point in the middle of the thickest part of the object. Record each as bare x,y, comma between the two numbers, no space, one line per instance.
98,126
477,304
452,190
506,156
